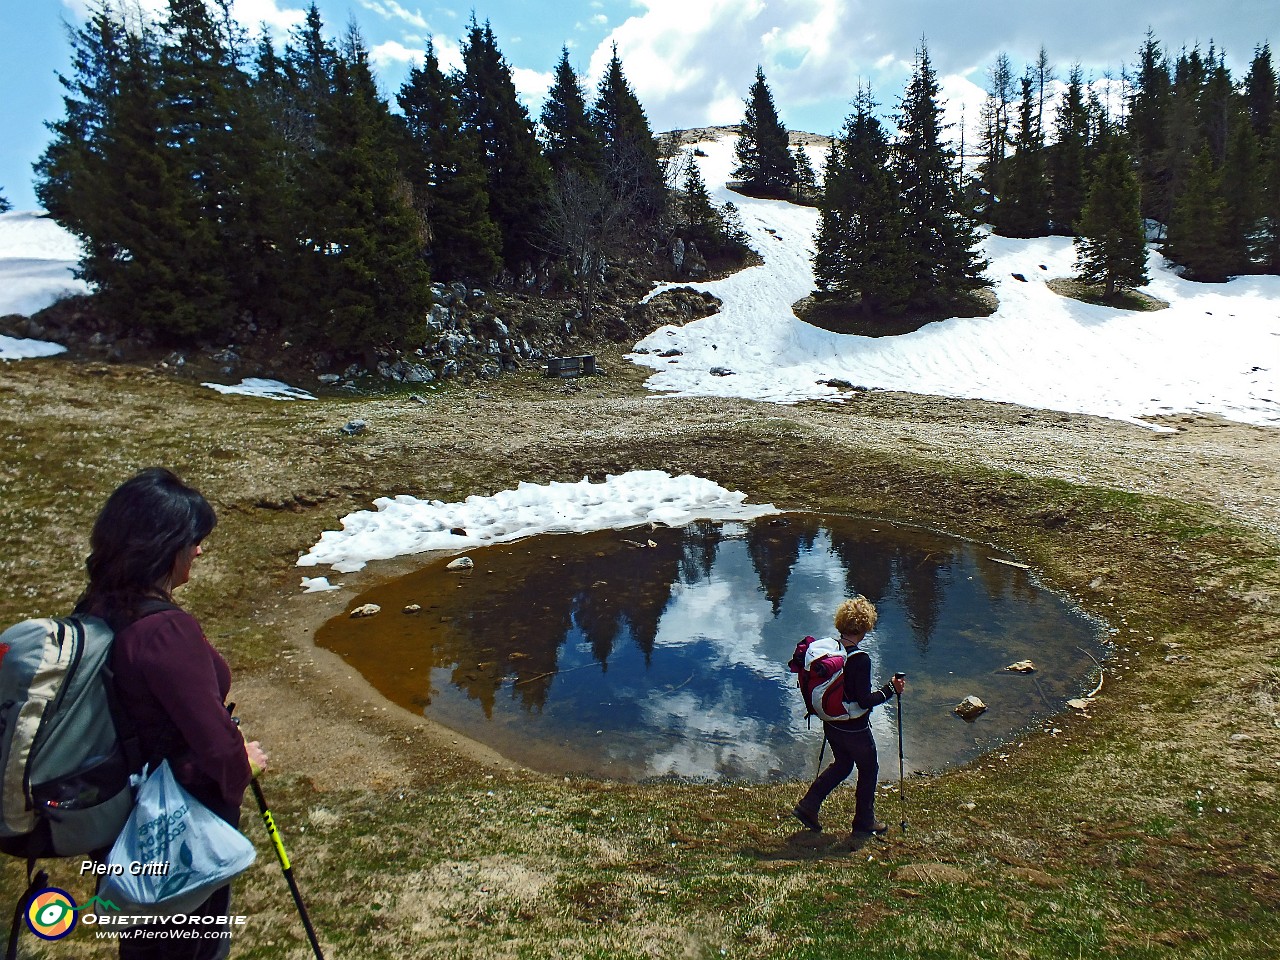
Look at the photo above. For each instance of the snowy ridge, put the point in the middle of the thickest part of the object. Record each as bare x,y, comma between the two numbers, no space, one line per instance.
1216,350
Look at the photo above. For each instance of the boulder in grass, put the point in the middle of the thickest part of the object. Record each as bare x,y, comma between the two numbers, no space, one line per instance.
970,708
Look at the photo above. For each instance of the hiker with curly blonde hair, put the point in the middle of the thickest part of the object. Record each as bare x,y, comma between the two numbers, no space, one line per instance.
852,744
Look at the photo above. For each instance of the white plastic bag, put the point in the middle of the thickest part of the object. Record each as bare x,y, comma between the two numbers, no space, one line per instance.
173,851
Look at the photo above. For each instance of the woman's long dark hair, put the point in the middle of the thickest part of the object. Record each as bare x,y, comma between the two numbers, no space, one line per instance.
142,528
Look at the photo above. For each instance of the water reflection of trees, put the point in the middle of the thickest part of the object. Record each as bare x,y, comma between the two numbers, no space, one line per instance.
605,589
774,546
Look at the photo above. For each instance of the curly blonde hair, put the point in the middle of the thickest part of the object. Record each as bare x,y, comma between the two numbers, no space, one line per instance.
856,616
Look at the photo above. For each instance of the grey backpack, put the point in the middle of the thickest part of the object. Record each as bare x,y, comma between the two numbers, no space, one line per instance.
64,766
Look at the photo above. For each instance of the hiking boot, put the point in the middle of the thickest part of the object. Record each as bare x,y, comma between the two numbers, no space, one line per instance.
808,819
875,826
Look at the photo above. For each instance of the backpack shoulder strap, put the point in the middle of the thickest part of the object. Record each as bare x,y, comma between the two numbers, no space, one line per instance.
37,880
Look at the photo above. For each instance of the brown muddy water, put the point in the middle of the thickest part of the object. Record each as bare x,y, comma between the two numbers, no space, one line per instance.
663,652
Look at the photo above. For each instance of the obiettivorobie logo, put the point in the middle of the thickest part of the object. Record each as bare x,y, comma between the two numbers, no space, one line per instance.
52,913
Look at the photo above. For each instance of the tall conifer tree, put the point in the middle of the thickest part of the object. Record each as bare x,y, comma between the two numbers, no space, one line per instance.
942,240
73,180
1197,229
1065,163
369,281
860,250
1023,210
1261,92
517,174
570,143
1111,247
1151,93
446,171
631,164
763,151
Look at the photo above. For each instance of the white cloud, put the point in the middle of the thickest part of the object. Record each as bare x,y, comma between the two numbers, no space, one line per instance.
390,10
532,86
393,53
254,13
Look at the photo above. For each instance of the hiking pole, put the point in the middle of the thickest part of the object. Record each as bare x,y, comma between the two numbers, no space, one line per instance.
281,854
283,857
902,795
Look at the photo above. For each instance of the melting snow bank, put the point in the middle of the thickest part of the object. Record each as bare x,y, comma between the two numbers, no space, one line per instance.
37,263
406,525
17,349
256,387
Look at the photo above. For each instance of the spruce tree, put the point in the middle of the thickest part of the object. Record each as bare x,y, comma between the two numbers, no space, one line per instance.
1023,210
942,240
215,149
1184,137
697,212
1111,246
1241,194
860,250
1216,107
1267,246
445,171
368,280
1261,92
1197,229
569,142
309,65
5,205
806,176
516,172
1148,122
270,198
996,126
1065,163
631,164
763,151
142,219
828,245
73,182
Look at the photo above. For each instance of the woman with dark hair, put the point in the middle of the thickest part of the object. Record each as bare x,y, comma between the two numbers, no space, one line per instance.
171,683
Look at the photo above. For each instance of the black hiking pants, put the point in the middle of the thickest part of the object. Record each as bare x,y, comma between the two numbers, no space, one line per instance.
850,747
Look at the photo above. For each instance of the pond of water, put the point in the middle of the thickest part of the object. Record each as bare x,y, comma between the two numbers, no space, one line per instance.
663,652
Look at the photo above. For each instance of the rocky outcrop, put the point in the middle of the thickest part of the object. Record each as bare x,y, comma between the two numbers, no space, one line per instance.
677,306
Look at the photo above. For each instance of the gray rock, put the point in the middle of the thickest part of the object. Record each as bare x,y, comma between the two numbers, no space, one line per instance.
329,379
365,610
355,427
970,708
418,373
438,317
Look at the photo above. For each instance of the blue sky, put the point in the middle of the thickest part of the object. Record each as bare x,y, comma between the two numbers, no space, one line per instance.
691,61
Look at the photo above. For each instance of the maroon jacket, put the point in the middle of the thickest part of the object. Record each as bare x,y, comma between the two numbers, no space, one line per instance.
173,684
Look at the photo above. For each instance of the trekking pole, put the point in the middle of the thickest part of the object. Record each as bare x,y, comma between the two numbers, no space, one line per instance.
283,857
902,794
281,854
